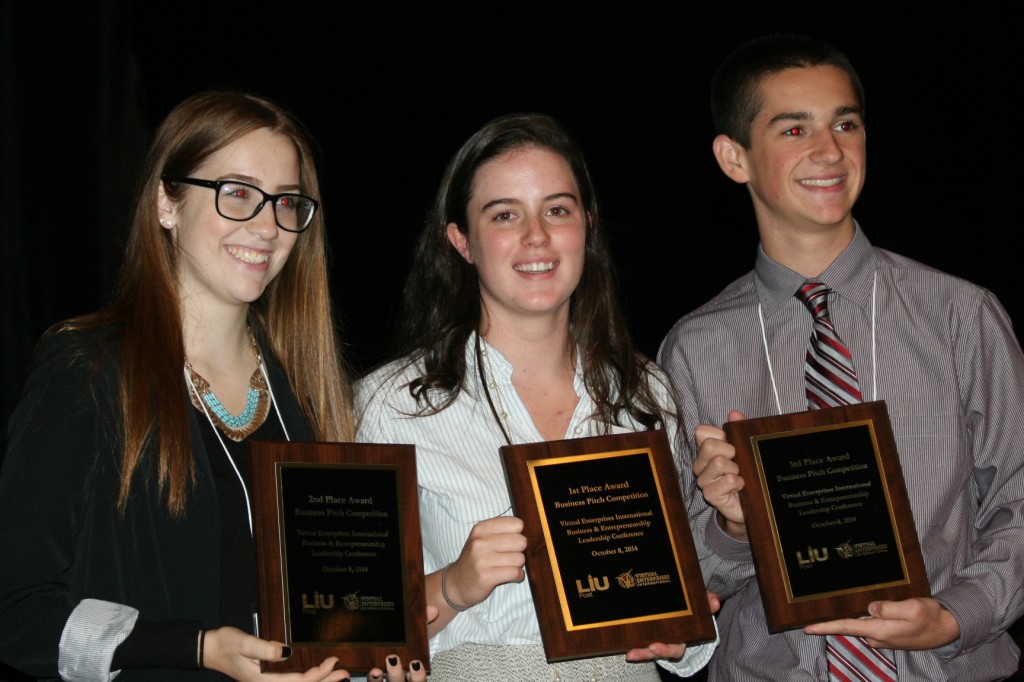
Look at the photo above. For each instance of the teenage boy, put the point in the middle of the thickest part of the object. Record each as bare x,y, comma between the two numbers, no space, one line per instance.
789,112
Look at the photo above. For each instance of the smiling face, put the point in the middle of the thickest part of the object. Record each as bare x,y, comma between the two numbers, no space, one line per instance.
225,262
806,162
526,235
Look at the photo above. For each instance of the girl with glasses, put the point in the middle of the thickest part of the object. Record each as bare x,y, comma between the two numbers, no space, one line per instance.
125,521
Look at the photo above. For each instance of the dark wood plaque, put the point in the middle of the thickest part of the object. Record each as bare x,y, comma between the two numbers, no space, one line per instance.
339,560
827,514
610,556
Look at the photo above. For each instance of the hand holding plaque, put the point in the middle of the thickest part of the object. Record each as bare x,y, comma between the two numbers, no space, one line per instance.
611,560
827,513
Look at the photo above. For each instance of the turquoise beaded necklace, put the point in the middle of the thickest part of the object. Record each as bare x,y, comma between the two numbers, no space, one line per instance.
235,427
228,419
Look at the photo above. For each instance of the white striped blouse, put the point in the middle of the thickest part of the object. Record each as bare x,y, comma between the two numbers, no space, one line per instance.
462,481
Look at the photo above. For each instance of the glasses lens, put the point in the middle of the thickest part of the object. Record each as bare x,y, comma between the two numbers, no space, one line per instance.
294,211
238,200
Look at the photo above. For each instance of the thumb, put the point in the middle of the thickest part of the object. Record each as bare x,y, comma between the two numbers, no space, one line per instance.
264,650
736,415
877,609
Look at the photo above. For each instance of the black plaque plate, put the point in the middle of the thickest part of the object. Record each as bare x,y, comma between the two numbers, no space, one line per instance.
338,552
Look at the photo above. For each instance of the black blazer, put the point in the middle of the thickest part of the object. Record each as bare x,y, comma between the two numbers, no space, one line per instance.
61,537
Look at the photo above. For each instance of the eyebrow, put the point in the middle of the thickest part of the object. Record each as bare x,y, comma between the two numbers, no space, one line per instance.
509,200
248,179
844,110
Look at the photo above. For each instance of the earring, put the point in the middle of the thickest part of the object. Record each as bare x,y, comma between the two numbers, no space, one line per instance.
167,222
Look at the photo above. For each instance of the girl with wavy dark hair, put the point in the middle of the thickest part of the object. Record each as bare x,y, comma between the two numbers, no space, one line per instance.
511,333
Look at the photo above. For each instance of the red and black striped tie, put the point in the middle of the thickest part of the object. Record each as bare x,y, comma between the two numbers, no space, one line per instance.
831,381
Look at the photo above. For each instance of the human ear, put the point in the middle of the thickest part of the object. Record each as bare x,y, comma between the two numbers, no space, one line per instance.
731,157
460,241
166,209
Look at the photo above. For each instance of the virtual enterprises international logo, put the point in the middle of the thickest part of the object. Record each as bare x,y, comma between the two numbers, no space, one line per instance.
806,559
852,550
627,580
352,601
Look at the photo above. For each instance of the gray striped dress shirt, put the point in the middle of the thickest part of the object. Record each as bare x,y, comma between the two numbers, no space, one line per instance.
942,354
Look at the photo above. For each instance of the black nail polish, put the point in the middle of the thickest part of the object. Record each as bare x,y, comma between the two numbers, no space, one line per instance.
392,660
286,652
415,665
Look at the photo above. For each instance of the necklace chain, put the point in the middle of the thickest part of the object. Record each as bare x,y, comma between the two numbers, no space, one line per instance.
500,417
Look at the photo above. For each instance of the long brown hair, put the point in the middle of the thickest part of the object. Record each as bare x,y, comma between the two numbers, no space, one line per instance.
441,304
294,316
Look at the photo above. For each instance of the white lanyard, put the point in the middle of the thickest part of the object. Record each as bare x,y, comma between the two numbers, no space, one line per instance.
874,351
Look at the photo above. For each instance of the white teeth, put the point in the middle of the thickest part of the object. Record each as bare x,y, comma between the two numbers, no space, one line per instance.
535,267
248,255
823,183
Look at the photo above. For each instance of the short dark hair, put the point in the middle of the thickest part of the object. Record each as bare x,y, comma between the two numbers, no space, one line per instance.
736,86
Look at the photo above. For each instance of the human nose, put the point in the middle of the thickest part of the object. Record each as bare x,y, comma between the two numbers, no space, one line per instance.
264,223
536,233
827,149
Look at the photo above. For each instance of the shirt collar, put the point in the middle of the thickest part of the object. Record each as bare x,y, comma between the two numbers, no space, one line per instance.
850,275
503,368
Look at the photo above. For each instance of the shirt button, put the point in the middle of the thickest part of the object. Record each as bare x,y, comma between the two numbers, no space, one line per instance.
578,430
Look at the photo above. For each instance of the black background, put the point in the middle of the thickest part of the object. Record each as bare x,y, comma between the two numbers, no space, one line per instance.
391,89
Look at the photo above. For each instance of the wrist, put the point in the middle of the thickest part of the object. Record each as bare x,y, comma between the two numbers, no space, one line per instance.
736,531
444,592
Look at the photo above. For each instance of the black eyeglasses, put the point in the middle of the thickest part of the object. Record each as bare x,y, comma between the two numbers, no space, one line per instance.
241,201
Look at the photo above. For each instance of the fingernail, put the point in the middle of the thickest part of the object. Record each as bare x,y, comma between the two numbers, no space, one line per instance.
286,652
415,665
392,660
375,676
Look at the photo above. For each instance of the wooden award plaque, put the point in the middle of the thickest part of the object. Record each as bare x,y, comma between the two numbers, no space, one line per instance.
827,513
339,560
610,557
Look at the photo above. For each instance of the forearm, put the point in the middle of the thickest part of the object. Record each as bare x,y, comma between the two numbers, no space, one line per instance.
985,593
175,644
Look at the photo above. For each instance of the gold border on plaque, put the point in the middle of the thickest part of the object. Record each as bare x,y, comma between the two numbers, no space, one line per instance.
755,442
553,557
636,627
